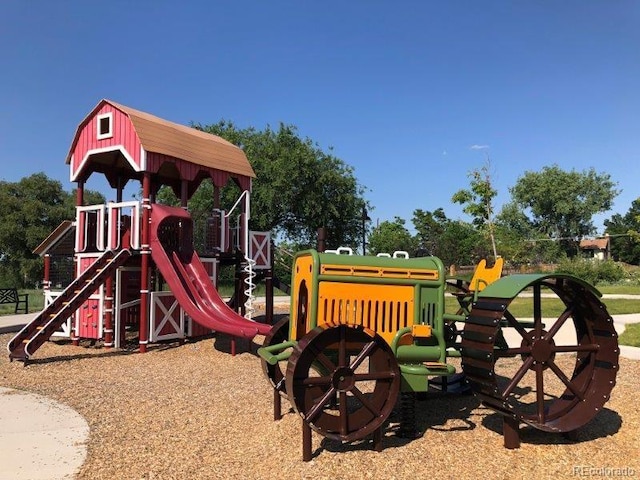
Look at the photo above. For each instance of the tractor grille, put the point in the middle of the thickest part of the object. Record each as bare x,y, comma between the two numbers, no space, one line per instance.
428,314
385,309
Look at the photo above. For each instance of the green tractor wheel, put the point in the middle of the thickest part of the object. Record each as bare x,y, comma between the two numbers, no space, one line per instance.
553,371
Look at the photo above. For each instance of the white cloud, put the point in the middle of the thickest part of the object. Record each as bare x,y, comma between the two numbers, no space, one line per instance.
479,147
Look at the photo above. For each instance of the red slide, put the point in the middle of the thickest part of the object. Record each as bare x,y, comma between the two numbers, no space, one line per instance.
187,277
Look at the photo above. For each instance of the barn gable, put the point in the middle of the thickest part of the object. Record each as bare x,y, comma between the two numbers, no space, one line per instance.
120,141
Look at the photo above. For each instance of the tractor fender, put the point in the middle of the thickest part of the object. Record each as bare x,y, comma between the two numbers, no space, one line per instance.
564,285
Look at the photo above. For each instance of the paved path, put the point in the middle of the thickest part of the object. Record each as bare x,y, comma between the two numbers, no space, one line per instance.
40,439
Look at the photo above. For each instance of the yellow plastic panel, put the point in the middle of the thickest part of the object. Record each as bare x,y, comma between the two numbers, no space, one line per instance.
382,308
484,276
421,331
380,272
301,294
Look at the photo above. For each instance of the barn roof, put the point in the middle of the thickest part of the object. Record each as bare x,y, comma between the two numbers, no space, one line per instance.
178,141
61,240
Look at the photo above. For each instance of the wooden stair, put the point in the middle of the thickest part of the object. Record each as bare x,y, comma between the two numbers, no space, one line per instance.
40,329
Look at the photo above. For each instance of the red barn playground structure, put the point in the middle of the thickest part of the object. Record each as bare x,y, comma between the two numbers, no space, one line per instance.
125,252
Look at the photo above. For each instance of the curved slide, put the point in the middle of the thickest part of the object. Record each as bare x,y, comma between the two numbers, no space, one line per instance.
190,282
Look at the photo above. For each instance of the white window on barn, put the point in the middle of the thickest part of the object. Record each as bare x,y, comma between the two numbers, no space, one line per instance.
104,126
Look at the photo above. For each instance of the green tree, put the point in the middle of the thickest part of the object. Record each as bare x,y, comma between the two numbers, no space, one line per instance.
562,204
298,188
454,242
520,242
29,210
429,228
461,244
624,232
391,236
478,201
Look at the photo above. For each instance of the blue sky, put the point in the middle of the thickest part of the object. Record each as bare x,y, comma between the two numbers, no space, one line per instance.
412,94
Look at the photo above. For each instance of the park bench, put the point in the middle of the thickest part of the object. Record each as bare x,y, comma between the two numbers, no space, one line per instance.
11,295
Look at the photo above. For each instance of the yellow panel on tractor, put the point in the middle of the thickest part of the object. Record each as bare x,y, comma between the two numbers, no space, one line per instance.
385,309
380,272
301,288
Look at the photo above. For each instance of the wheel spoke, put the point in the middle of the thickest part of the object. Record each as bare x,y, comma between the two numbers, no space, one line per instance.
363,377
324,360
589,347
316,381
511,352
368,348
315,410
515,324
539,367
556,326
537,310
517,377
342,348
364,400
560,374
344,414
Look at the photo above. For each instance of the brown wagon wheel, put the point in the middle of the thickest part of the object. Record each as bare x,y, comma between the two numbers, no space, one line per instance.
279,333
355,390
551,381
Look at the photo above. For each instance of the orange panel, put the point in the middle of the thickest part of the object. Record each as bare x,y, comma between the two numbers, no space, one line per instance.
382,308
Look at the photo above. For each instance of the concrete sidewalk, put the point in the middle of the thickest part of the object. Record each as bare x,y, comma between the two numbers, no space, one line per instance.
14,323
40,439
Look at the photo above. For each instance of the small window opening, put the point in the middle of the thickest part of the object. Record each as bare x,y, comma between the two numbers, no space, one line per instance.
105,125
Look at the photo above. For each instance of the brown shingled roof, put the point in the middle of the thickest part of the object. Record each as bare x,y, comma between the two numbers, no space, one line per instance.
594,244
179,141
62,234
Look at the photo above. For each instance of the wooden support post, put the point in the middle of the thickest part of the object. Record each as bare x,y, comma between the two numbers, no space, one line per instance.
322,239
145,251
46,283
511,432
184,193
108,313
268,291
277,405
306,442
75,340
377,439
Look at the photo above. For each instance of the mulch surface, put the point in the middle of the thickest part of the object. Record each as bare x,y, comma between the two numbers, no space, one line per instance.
189,411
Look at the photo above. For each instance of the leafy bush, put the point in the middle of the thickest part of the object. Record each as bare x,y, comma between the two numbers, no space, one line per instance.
593,271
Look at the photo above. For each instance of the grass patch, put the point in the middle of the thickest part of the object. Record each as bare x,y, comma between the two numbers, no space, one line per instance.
522,307
631,335
622,289
36,302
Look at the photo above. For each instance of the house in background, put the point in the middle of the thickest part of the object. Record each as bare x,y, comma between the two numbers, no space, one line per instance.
597,248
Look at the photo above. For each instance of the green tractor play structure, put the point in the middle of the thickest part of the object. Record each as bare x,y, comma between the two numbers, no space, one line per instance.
366,331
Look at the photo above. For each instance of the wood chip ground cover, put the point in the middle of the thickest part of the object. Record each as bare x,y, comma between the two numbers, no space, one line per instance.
193,411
